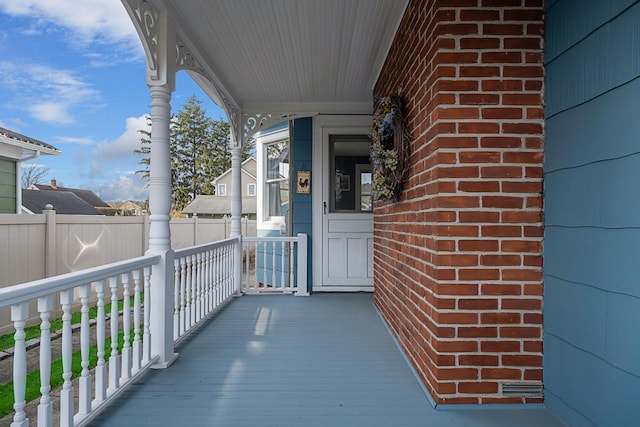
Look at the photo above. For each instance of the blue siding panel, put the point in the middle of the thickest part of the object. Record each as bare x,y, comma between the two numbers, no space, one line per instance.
623,333
603,394
604,128
606,59
580,324
573,20
592,225
602,258
585,196
301,203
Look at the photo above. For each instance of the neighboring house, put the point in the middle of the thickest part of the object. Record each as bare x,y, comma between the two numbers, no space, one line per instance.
128,208
63,202
524,153
219,205
14,150
87,195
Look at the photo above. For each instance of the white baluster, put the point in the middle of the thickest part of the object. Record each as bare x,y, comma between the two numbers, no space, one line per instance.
183,292
101,367
66,394
176,299
194,291
19,315
264,264
246,255
209,281
188,295
84,397
283,258
292,263
198,260
274,283
146,334
136,350
45,408
126,328
114,358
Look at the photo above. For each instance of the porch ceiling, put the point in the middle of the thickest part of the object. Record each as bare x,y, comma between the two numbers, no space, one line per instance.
289,56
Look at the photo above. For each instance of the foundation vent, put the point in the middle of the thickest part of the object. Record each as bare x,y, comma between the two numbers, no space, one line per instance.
522,389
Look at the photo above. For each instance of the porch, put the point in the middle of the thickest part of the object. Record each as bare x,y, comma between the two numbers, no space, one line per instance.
286,361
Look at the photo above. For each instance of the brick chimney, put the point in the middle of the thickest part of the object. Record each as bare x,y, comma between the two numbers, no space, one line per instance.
54,184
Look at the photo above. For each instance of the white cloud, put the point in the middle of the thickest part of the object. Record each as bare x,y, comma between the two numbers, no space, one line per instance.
95,21
123,146
126,187
50,94
75,141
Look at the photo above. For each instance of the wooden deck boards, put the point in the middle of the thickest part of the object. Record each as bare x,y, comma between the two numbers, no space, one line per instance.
326,360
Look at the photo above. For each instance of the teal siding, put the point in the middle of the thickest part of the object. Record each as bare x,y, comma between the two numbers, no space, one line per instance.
7,186
301,203
592,201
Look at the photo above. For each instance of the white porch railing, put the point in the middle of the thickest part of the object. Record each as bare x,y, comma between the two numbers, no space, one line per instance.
205,278
203,282
275,264
116,367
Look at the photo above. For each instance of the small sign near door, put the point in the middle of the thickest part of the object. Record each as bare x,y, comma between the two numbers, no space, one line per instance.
303,182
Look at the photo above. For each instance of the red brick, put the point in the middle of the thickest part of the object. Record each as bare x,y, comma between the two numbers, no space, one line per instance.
479,71
477,304
478,274
478,127
479,186
477,387
507,202
502,318
503,29
521,304
523,15
481,99
477,332
501,289
480,43
500,142
479,217
530,71
522,99
522,187
500,374
479,15
478,245
457,374
457,289
521,360
501,172
458,172
456,58
457,30
501,57
500,346
533,374
522,217
479,157
456,318
530,43
502,85
502,113
519,332
523,156
523,128
501,231
478,360
456,346
526,275
458,141
459,113
500,260
457,85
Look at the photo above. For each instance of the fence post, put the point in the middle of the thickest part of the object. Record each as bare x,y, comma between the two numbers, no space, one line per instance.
50,241
145,233
303,290
195,229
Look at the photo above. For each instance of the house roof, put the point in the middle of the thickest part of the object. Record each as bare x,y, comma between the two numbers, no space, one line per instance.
64,202
244,170
286,56
87,195
26,143
217,205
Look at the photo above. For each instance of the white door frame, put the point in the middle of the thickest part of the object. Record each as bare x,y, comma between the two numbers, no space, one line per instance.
323,126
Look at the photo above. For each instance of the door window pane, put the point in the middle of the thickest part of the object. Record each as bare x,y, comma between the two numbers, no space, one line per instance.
350,162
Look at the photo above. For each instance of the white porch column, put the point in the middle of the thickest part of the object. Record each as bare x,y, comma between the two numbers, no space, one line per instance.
236,207
161,81
161,298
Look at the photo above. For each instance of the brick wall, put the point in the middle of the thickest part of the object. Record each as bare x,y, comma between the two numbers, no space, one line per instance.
458,260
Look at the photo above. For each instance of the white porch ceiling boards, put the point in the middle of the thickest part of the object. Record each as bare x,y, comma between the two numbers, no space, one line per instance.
289,56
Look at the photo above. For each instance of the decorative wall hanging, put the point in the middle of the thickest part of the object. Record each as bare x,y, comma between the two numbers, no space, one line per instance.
303,182
390,148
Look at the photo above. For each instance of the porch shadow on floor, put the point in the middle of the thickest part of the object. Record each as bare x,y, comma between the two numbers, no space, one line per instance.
326,360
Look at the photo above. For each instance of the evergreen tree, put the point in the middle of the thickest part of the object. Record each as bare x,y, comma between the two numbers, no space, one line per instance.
199,152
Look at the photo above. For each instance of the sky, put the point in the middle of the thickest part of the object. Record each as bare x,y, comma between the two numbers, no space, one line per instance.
72,74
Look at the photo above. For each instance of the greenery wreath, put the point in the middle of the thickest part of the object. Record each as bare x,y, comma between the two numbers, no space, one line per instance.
390,148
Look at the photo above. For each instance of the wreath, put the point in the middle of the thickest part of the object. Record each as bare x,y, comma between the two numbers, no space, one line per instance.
390,148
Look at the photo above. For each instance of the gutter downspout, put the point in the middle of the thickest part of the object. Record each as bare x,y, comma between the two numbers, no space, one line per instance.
19,179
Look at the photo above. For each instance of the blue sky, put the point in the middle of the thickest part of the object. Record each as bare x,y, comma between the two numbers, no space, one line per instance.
72,74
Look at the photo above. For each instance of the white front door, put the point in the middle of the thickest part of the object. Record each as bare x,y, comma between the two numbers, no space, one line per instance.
343,196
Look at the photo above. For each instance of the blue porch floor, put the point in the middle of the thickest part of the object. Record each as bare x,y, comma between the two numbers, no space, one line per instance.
325,360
